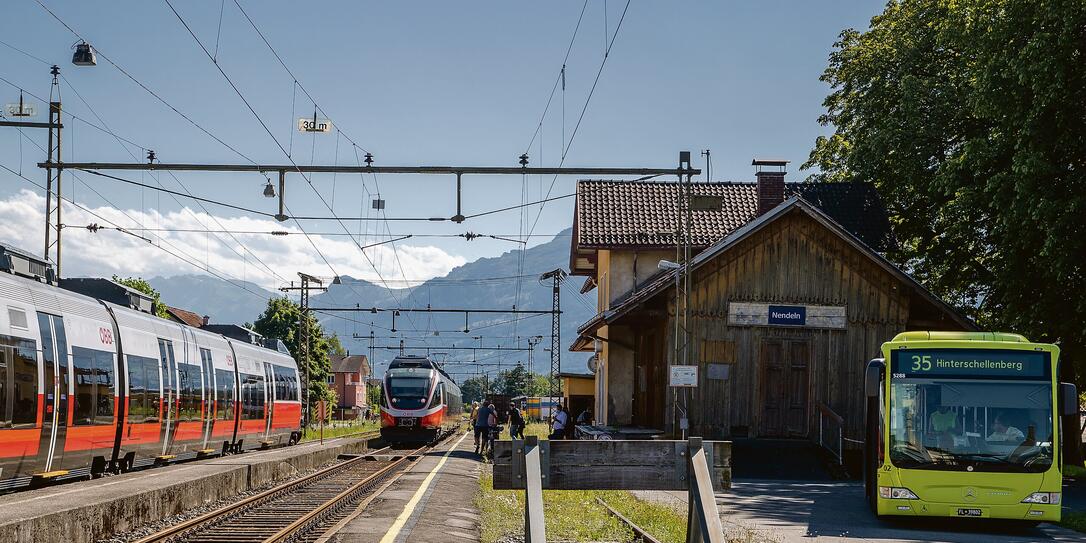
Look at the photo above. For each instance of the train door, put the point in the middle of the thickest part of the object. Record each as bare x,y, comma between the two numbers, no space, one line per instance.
270,390
209,388
168,369
55,362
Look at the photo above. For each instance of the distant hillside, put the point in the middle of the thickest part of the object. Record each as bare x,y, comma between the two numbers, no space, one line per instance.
207,295
484,283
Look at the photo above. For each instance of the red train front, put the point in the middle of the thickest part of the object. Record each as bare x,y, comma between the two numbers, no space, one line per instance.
421,402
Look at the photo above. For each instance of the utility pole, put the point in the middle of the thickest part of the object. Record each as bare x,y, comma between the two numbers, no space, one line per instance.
532,342
52,183
683,218
303,326
556,276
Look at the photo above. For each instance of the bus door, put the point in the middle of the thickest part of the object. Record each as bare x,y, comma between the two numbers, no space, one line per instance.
168,369
207,369
54,352
269,388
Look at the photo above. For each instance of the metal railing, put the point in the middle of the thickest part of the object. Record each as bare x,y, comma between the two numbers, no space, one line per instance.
831,427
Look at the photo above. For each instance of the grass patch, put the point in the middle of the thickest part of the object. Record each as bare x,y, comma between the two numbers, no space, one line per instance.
1075,520
576,515
354,427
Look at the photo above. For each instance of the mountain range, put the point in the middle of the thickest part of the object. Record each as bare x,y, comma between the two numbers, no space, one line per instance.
486,283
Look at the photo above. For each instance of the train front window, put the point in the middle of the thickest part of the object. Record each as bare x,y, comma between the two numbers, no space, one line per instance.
962,420
408,392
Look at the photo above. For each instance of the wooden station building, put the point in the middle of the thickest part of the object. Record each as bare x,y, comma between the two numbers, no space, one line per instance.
790,296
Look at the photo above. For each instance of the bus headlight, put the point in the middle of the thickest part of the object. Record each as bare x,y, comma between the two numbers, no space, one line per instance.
1047,498
896,493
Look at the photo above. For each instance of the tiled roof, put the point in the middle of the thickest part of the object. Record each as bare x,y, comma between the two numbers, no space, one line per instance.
642,213
350,364
185,317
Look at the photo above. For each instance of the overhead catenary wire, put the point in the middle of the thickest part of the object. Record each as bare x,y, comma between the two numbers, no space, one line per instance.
105,128
281,148
105,57
588,100
178,253
560,79
182,194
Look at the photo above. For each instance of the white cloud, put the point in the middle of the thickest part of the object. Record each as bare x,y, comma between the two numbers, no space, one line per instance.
22,218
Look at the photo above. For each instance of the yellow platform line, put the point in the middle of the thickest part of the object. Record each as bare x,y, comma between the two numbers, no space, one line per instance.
409,509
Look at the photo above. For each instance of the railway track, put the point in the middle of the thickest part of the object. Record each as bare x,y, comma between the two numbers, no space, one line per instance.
297,511
640,534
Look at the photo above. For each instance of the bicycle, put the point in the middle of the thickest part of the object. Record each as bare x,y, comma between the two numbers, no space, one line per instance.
487,446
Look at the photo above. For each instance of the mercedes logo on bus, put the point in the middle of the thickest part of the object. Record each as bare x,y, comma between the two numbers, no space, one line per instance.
969,494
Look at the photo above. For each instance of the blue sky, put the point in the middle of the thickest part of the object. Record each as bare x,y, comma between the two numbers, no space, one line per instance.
414,83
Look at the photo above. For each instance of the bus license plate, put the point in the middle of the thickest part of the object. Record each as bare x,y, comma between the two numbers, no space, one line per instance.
970,512
407,422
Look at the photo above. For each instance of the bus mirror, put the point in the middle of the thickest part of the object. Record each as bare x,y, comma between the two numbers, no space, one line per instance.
1068,400
873,377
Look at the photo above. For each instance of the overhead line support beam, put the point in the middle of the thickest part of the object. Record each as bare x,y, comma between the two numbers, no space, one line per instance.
452,170
423,310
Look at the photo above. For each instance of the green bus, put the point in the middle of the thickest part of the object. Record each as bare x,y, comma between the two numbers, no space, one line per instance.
965,424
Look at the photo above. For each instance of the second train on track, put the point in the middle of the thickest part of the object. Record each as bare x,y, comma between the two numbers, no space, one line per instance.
421,402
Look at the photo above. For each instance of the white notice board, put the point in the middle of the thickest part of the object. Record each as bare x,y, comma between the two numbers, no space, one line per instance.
684,376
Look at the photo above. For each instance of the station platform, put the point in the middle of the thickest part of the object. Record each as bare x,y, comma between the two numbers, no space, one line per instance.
432,503
86,511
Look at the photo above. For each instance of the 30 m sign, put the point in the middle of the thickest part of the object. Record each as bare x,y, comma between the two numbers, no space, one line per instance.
313,124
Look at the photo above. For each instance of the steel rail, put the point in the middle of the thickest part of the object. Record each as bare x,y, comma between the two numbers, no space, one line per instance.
637,530
251,501
319,513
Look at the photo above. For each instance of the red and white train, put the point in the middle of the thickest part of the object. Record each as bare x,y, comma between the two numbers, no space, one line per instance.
89,385
421,403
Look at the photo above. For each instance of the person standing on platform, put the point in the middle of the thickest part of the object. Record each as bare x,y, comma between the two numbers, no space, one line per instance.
474,418
516,422
561,420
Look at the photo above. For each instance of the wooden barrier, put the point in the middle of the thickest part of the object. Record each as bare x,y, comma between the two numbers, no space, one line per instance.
699,467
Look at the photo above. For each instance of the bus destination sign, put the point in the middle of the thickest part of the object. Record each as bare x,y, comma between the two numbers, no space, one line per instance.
967,363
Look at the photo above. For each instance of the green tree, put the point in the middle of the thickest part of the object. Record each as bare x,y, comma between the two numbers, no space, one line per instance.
512,382
539,385
374,395
473,389
280,320
335,347
140,284
967,116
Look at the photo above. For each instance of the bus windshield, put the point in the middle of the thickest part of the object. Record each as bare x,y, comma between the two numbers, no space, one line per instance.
971,411
408,392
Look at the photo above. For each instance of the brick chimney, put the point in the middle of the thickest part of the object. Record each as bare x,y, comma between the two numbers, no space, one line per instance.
770,175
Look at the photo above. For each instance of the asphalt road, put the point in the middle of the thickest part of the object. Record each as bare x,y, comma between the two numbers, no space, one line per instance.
830,511
782,511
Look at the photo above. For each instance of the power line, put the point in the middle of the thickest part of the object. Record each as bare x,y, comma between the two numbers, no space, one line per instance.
280,146
576,127
144,87
105,128
560,78
175,193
